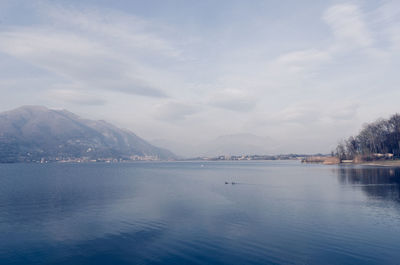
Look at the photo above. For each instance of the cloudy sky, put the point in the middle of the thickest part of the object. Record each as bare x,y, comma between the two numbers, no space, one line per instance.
303,74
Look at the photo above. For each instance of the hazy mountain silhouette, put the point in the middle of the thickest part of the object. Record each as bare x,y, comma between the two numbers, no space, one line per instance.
30,133
238,144
233,144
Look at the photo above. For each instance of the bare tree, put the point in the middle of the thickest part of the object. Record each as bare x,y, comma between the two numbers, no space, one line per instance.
381,136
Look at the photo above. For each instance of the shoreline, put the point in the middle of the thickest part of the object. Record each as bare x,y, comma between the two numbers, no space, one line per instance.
386,163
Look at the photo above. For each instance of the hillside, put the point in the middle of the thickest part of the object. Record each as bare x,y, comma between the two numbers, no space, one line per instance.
35,133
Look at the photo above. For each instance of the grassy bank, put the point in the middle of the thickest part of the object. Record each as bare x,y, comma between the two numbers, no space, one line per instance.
326,160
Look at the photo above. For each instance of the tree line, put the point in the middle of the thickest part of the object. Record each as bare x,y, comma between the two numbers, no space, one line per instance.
374,140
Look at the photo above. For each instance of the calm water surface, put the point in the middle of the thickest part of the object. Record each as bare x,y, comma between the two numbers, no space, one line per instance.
184,213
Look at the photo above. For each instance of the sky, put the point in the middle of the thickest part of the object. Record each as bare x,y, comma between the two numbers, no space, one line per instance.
303,74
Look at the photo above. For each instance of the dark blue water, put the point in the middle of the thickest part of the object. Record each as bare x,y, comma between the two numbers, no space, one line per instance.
184,213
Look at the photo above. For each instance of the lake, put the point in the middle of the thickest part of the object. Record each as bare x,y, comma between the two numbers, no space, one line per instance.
278,212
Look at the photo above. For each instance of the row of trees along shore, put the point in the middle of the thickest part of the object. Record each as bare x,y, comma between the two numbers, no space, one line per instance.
380,139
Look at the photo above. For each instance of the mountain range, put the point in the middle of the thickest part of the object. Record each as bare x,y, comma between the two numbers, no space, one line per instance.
36,133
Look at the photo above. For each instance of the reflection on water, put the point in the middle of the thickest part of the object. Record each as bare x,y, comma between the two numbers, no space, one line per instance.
376,182
280,212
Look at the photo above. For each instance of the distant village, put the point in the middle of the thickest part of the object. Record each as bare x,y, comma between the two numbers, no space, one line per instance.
255,157
92,160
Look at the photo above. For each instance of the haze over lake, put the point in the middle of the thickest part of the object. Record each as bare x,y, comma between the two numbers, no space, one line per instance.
171,132
194,76
278,212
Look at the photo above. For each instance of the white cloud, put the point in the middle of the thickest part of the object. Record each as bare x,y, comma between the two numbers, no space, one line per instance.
301,58
91,52
348,26
133,34
174,111
75,97
232,99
